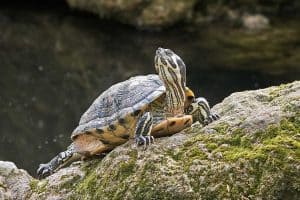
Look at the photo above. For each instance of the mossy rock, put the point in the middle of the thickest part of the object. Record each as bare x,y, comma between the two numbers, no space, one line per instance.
251,152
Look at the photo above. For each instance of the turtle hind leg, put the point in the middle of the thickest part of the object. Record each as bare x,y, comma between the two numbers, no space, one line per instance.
83,146
62,159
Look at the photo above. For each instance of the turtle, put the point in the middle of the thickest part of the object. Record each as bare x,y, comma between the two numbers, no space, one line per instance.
140,108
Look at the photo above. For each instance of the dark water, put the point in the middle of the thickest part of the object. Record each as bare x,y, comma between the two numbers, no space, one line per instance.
54,62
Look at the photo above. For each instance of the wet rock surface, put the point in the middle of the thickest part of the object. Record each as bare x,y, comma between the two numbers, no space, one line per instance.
255,22
158,14
252,152
140,13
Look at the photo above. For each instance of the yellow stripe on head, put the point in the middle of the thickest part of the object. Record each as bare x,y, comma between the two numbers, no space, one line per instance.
189,97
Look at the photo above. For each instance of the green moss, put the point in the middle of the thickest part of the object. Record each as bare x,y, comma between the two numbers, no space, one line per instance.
222,128
276,92
188,153
234,153
33,184
87,187
70,182
275,142
211,146
277,139
125,169
195,152
37,186
274,150
94,184
176,155
2,186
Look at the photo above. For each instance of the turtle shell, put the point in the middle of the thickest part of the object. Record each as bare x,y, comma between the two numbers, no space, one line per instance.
119,101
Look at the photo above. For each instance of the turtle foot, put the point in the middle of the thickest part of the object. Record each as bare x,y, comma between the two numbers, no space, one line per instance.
212,117
44,170
144,140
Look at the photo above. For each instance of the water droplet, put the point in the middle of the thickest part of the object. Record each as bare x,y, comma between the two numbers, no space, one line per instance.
68,75
40,68
40,124
66,102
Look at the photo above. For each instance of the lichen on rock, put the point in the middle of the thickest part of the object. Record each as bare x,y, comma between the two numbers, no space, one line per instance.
252,152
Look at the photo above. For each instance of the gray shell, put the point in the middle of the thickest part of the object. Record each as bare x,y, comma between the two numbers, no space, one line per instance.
119,101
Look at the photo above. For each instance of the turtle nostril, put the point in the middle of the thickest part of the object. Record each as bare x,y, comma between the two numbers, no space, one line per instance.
159,50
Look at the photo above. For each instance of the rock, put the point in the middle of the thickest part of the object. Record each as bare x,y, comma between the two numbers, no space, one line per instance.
255,22
162,13
14,182
59,185
140,13
252,152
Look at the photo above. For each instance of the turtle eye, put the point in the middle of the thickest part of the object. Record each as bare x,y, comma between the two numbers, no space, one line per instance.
190,98
172,63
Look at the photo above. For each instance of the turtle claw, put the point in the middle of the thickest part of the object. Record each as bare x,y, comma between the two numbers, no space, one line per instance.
215,116
212,117
144,140
44,170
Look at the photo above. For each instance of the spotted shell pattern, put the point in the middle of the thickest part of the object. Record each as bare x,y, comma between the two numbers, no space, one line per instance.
119,101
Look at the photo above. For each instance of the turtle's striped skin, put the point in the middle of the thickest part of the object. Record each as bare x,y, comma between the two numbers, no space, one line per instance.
141,107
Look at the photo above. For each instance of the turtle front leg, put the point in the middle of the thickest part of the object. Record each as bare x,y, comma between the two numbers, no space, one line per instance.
143,129
200,110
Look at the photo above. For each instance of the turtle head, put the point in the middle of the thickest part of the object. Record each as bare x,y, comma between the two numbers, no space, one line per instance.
170,67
